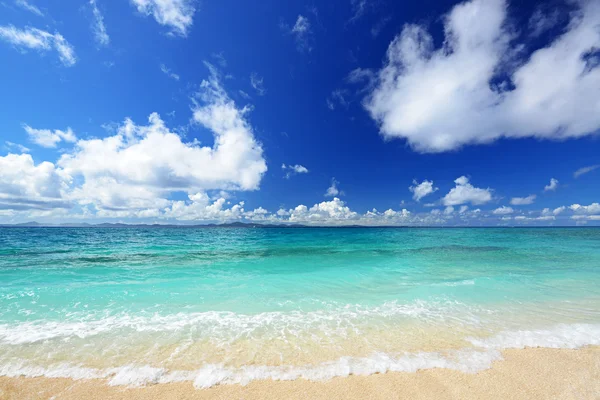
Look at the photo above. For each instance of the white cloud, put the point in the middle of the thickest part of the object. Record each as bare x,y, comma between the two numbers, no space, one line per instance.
98,27
49,138
523,218
259,214
585,170
334,210
301,32
463,209
115,197
593,208
201,208
333,190
134,172
138,167
178,15
395,215
29,7
302,26
464,192
24,185
552,185
422,189
19,147
503,210
449,210
168,72
559,210
442,99
293,170
257,82
522,201
556,211
37,39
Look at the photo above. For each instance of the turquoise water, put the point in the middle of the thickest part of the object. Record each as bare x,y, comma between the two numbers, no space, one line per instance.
220,305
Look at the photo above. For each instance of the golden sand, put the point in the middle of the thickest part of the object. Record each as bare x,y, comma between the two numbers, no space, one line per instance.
523,374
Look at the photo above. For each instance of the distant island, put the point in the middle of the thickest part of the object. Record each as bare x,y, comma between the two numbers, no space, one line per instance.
35,224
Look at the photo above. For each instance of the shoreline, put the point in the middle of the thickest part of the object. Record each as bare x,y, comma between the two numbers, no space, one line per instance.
531,373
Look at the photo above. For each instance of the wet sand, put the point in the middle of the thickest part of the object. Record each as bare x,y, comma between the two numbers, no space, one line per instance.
523,374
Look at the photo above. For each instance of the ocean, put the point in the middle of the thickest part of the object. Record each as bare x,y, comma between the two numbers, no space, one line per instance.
139,306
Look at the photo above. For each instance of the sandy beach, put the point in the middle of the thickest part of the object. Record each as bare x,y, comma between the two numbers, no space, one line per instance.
523,374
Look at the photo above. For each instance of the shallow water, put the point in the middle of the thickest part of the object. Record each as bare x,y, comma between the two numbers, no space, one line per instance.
220,305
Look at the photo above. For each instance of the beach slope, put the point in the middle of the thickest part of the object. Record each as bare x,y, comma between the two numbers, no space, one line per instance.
523,374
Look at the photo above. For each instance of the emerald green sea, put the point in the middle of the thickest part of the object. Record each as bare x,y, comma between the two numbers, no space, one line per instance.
141,306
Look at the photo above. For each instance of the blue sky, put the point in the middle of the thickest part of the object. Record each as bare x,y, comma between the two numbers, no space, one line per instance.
382,112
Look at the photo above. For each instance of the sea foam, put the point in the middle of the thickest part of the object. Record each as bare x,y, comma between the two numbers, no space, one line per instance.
469,360
563,336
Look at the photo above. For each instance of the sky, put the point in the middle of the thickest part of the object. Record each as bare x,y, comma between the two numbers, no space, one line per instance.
340,112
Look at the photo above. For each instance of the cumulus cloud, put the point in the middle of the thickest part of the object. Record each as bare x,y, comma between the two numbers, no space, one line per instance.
98,27
141,165
200,207
559,210
257,82
337,213
29,7
168,72
25,185
135,172
593,208
422,189
178,15
335,210
585,170
523,201
556,211
464,192
333,190
48,138
552,185
293,170
42,41
466,92
503,210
